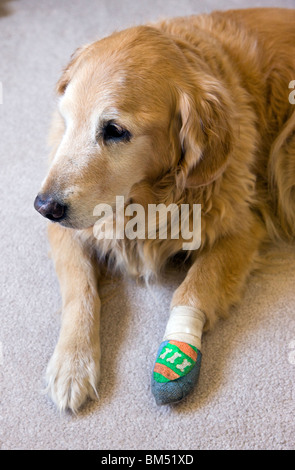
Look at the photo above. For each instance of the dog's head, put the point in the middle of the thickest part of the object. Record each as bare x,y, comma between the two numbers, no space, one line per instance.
133,108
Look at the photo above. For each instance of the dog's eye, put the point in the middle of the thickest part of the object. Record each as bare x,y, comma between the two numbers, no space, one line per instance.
114,132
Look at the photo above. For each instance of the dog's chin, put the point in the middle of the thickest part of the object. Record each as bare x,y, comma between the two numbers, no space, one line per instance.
76,224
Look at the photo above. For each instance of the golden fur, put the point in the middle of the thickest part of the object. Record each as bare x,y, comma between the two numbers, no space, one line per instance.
206,101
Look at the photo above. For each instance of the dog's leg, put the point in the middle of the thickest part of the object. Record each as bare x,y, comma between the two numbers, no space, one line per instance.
212,285
73,371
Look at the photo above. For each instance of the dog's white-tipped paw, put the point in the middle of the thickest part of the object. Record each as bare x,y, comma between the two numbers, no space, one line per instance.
72,377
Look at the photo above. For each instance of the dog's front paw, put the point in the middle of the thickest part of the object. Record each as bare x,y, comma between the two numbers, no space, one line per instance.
72,376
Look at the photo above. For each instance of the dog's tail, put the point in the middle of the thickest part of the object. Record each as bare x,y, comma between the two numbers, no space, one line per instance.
281,178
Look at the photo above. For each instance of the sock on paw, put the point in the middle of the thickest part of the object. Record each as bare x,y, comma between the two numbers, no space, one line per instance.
177,366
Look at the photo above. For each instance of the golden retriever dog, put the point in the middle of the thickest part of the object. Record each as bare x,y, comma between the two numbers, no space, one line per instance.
192,110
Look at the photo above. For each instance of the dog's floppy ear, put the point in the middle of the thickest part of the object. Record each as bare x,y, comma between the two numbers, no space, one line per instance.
206,134
69,70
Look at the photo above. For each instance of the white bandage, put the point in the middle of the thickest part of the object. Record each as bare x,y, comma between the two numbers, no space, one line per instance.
185,324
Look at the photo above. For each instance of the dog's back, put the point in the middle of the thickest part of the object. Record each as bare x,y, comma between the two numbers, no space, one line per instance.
258,46
275,29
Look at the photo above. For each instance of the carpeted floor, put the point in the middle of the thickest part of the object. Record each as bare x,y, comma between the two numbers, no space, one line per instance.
246,394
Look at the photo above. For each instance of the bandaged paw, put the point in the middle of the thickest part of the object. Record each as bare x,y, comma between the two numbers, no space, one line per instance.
178,362
175,360
185,324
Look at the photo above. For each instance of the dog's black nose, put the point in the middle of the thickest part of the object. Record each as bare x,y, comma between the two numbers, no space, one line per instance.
50,208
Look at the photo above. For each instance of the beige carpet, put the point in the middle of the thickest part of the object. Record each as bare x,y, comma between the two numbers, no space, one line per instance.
246,394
